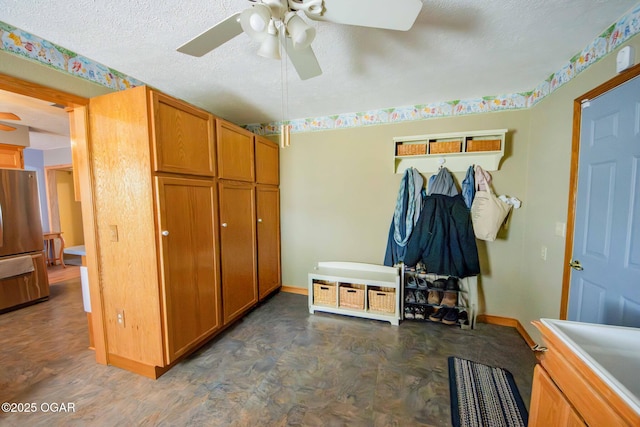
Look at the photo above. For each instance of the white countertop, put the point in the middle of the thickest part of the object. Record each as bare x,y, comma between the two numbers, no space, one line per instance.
76,250
612,352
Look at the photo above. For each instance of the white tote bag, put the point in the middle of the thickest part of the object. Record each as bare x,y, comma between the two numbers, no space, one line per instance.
488,212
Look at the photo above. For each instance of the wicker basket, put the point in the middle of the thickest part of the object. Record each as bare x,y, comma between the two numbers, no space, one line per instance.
382,299
483,145
411,149
352,296
324,293
441,147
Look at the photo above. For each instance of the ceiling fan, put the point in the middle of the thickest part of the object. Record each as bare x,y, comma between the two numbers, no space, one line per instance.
7,116
276,22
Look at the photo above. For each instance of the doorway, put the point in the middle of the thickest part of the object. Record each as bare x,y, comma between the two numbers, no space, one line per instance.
595,281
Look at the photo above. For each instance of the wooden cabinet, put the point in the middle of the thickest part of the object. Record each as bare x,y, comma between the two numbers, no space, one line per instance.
569,392
11,156
191,299
237,248
182,137
235,151
25,289
548,406
267,161
155,232
268,244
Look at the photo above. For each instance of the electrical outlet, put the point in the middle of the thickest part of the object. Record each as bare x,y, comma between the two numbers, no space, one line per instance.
120,317
113,230
543,253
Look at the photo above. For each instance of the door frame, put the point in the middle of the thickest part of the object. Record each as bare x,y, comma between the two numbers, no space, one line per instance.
77,107
573,178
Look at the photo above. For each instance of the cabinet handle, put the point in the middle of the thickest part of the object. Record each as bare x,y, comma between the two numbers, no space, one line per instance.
165,233
224,224
259,219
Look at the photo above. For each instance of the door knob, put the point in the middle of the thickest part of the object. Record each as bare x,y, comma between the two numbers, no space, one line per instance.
259,219
224,224
575,264
165,233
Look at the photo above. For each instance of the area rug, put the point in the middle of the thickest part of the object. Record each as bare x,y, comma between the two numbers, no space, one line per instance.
482,395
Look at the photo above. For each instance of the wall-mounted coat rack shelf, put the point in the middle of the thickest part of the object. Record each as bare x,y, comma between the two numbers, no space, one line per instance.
456,151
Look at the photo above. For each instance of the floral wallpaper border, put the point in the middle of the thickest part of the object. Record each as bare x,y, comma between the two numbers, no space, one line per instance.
21,43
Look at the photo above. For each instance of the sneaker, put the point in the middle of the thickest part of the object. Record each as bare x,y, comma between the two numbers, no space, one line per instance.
463,317
420,313
410,297
411,283
420,298
408,313
438,315
451,318
423,284
435,294
450,298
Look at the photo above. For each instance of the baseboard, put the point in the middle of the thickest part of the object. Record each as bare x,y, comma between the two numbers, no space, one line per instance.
507,321
295,290
149,371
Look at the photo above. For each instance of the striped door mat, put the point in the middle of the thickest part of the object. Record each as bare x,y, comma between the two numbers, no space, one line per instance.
482,395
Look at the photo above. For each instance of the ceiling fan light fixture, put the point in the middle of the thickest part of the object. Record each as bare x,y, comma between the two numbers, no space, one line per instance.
302,34
255,21
270,46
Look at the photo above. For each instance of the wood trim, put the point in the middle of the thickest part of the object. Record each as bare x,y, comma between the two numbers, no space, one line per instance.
573,177
149,371
295,290
35,90
507,321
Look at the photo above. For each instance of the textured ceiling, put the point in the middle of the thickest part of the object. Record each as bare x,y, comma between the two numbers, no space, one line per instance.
457,49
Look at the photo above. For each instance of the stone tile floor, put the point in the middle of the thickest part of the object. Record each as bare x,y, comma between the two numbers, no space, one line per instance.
279,366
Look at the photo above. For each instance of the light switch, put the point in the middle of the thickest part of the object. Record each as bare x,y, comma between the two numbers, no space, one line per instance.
561,229
113,233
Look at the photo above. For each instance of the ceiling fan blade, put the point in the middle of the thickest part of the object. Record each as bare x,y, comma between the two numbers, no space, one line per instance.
215,36
303,60
7,128
392,15
9,116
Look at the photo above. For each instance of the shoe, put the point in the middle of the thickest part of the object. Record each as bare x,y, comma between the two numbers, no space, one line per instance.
463,317
410,297
420,313
451,318
450,298
411,283
421,268
408,313
435,294
420,298
438,315
423,284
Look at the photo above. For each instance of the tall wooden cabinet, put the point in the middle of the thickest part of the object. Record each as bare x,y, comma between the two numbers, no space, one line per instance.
153,162
248,182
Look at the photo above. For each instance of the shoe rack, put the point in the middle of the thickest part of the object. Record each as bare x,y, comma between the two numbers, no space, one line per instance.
437,298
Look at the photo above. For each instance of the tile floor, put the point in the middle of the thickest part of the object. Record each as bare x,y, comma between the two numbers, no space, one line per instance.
280,366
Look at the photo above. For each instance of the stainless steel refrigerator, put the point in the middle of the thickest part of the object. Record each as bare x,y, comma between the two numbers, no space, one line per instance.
23,275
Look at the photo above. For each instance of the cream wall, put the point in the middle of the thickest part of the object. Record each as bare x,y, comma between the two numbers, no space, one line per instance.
548,190
70,211
338,193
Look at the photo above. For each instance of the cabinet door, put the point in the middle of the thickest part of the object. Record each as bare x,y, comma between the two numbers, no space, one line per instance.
235,152
237,248
11,156
182,137
268,224
267,161
549,407
25,288
191,294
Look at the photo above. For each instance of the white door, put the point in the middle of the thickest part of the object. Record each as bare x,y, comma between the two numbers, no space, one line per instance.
605,280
